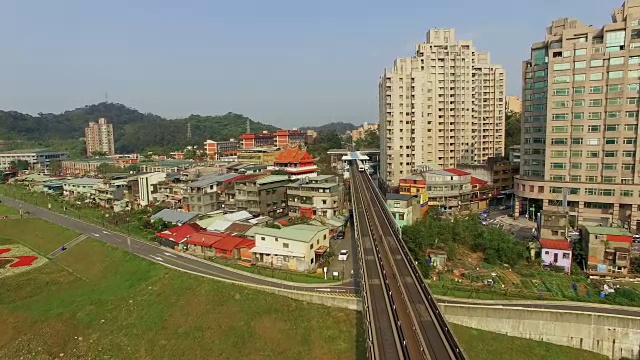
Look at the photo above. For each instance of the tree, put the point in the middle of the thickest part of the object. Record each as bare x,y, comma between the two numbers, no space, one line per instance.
370,140
19,165
98,154
159,225
55,167
512,130
106,168
189,154
325,141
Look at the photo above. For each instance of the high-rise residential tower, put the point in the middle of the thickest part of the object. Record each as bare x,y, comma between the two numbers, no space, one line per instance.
581,99
442,107
99,138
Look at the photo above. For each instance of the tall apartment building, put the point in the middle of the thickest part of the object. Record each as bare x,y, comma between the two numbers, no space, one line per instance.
360,132
99,137
581,98
443,106
514,104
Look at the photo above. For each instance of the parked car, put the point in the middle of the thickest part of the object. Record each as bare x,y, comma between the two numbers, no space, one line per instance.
340,235
343,255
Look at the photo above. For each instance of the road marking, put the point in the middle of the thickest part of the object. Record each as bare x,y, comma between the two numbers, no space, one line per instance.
97,235
170,255
323,289
156,257
328,290
106,232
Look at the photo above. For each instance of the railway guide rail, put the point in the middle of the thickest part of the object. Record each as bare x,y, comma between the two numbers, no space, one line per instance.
418,325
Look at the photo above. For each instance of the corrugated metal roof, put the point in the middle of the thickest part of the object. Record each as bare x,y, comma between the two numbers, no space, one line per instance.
174,216
301,232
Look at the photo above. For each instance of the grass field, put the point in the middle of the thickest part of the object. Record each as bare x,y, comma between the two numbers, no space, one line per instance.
486,345
95,301
40,235
7,210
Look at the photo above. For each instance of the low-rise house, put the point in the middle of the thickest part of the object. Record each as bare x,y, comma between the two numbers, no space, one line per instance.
204,195
38,159
296,247
556,253
321,196
148,186
262,195
81,186
177,217
608,249
177,235
405,209
86,167
556,249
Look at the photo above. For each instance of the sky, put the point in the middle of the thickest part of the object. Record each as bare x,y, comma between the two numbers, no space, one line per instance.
285,62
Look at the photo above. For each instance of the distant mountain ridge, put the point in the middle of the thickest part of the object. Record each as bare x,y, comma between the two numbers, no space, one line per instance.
133,130
340,127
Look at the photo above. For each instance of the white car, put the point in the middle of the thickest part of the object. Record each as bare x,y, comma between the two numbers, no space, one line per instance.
343,255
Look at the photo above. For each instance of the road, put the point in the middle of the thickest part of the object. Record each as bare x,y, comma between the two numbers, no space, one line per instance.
166,256
161,255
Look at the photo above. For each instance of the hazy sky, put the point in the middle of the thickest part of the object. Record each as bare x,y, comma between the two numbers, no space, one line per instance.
284,62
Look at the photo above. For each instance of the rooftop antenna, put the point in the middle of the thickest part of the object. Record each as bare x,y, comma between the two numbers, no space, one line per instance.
248,126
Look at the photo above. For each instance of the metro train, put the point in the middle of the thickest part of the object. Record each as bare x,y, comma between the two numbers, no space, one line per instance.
361,167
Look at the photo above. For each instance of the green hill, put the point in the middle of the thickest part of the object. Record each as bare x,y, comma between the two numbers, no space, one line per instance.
133,130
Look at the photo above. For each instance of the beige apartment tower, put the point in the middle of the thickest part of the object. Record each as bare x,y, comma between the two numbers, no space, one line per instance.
581,97
442,107
99,138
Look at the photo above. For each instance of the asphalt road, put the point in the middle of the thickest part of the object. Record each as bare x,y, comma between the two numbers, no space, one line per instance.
166,256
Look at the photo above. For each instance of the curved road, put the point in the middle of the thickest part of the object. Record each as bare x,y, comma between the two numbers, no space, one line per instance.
161,255
166,256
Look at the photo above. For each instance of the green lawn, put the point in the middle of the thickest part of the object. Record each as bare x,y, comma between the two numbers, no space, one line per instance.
40,235
486,345
7,210
95,301
278,274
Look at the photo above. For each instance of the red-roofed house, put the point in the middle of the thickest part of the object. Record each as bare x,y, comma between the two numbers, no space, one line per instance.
296,161
177,235
230,247
556,252
458,172
202,243
609,249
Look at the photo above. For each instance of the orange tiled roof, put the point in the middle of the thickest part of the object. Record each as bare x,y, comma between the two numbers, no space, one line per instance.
292,155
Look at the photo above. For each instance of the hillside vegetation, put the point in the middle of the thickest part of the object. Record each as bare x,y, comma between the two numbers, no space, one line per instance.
133,130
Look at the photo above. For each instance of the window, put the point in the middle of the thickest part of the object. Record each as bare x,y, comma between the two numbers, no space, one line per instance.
539,56
613,114
580,52
580,64
558,166
607,192
612,128
577,128
539,73
595,116
540,85
616,61
611,141
285,245
593,154
595,102
559,141
633,74
591,179
556,177
633,101
631,114
578,103
562,91
595,90
561,79
634,59
566,256
614,88
576,153
539,107
576,166
576,141
560,129
592,167
616,74
610,154
628,167
629,141
609,166
614,101
628,153
596,63
560,104
614,40
590,191
575,178
633,87
560,117
562,66
626,193
593,128
559,153
579,77
595,76
578,116
578,90
630,127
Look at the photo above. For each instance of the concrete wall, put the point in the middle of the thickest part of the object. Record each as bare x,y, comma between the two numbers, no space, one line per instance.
612,335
